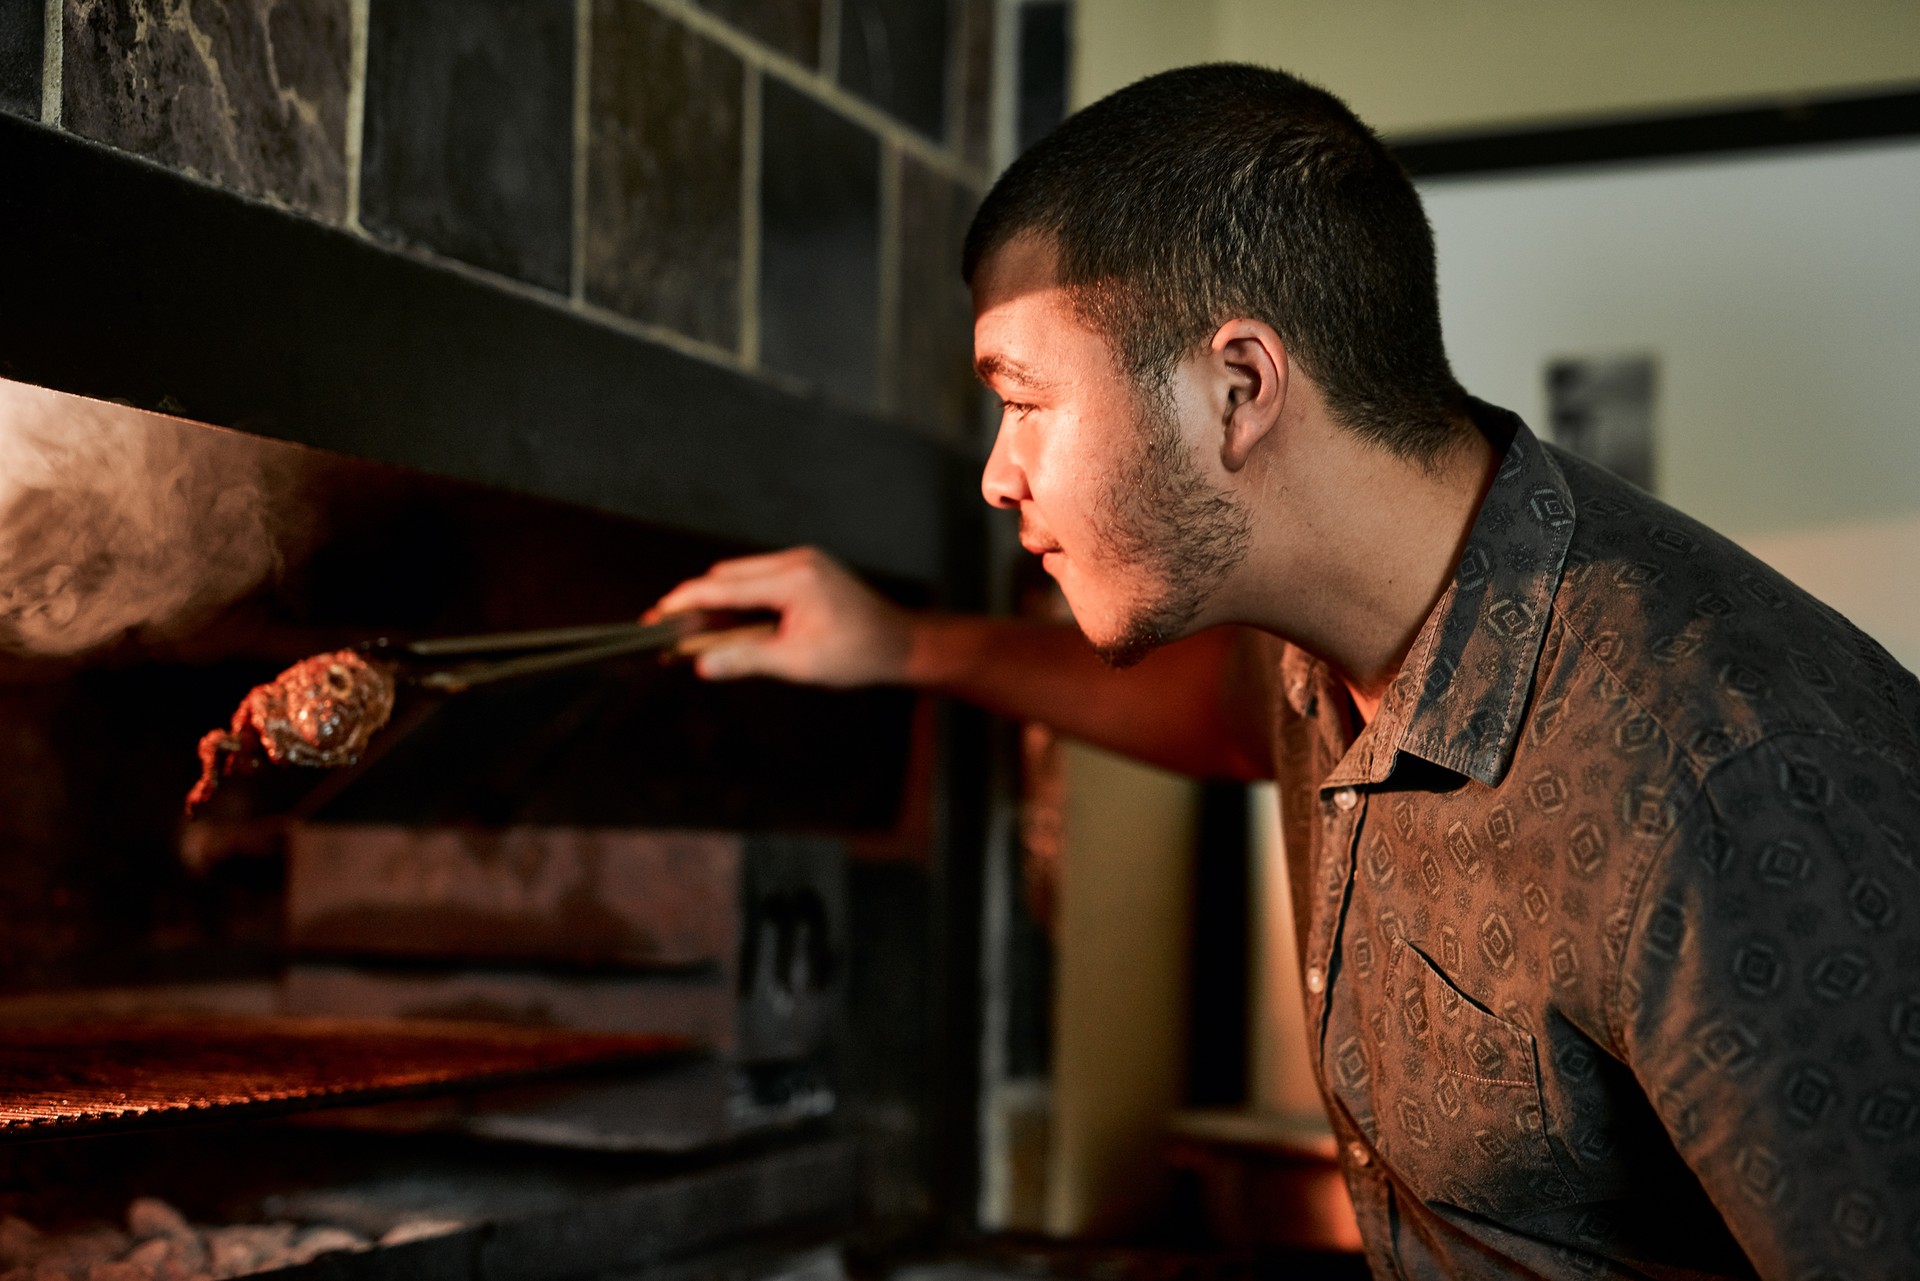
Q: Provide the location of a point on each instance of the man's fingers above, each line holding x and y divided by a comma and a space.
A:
759, 656
774, 585
700, 642
830, 631
761, 592
766, 562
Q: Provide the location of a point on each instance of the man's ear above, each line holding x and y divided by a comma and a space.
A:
1249, 356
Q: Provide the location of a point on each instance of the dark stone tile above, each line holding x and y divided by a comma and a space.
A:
239, 311
976, 79
663, 174
893, 53
1046, 34
251, 94
22, 42
790, 26
932, 382
468, 148
819, 245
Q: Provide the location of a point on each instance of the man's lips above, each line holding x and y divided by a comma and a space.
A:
1032, 539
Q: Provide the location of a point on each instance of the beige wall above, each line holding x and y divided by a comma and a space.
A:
1279, 1060
1119, 988
1419, 66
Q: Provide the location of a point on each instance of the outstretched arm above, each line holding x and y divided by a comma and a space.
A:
1193, 706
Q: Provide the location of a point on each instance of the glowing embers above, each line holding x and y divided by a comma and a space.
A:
159, 1244
102, 1073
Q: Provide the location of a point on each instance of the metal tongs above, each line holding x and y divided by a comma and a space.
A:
545, 649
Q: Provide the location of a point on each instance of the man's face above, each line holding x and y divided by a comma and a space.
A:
1105, 479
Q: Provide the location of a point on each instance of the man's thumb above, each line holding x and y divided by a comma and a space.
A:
755, 657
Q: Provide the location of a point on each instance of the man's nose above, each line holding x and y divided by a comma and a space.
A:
1003, 482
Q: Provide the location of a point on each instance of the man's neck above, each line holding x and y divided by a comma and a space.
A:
1365, 705
1358, 546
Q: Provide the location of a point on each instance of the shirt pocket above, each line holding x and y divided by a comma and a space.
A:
1468, 1126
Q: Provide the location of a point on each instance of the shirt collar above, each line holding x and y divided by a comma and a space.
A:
1463, 688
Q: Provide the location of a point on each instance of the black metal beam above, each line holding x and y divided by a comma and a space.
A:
124, 280
1803, 123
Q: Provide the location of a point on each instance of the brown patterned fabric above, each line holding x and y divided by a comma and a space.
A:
1611, 917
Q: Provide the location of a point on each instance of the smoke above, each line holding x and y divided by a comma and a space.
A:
117, 522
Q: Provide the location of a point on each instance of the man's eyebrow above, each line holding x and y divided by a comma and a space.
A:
995, 366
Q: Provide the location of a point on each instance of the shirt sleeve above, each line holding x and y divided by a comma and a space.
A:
1769, 1004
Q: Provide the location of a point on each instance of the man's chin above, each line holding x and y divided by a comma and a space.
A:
1125, 653
1123, 637
1137, 638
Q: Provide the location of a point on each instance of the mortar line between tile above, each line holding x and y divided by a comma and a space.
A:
806, 79
600, 315
751, 110
358, 18
891, 176
959, 66
830, 40
1003, 110
582, 136
53, 45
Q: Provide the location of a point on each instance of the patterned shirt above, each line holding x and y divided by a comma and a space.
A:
1610, 919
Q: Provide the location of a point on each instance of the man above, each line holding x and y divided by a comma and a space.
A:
1603, 836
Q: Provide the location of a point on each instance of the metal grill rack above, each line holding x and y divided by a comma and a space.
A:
71, 1077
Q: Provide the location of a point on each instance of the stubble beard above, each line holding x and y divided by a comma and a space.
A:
1162, 519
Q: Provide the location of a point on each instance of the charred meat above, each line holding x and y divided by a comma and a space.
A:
320, 712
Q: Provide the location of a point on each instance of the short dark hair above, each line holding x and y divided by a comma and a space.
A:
1210, 192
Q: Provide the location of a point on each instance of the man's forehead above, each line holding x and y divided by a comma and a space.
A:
1027, 263
1028, 334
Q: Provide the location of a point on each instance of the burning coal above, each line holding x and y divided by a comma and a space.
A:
116, 522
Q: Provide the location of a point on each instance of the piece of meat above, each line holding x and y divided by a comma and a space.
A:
320, 712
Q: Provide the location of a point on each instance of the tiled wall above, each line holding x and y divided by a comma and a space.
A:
778, 185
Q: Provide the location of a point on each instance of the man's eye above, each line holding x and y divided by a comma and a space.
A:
1015, 407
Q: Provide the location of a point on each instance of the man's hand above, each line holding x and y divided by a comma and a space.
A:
1195, 706
834, 629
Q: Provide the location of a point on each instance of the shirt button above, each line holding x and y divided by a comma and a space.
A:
1345, 799
1357, 1151
1316, 980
